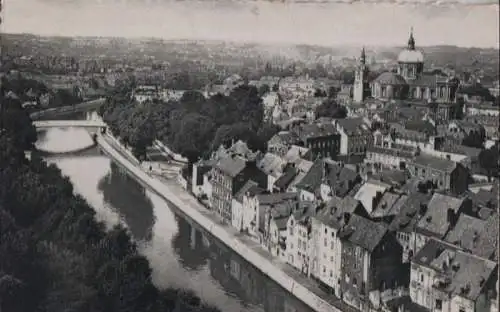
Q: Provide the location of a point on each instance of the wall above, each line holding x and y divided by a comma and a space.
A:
176, 157
252, 256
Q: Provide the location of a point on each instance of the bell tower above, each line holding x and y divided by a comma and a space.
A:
361, 87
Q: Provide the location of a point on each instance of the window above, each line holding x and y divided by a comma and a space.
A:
331, 245
326, 242
439, 304
324, 269
461, 309
331, 259
421, 277
355, 281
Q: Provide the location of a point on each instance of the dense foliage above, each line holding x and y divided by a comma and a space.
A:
488, 160
193, 126
54, 255
330, 108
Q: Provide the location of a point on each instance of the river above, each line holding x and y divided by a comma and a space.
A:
180, 255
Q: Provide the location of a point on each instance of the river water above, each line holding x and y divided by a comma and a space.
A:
180, 255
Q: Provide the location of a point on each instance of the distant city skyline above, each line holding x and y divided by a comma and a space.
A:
328, 24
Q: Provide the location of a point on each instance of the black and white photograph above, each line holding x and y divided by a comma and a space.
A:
249, 155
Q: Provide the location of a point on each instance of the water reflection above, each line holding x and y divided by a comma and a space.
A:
248, 283
188, 245
120, 190
181, 254
61, 140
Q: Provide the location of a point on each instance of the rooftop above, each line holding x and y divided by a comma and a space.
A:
353, 126
250, 187
313, 178
289, 173
231, 165
390, 78
315, 130
441, 164
340, 178
362, 232
463, 274
409, 214
389, 205
435, 222
368, 191
268, 199
466, 232
271, 164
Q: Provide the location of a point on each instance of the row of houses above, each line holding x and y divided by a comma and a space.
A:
361, 235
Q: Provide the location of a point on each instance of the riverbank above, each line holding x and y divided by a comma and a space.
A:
300, 286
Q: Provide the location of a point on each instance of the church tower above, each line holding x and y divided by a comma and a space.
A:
361, 87
410, 61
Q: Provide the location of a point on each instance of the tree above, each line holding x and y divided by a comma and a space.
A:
332, 92
194, 136
329, 108
264, 89
192, 101
52, 249
473, 140
488, 160
319, 93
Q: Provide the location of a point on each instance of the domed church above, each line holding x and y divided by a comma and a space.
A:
408, 82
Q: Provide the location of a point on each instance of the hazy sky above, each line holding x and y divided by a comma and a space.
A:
326, 23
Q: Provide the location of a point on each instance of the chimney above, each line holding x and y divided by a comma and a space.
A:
450, 217
346, 218
475, 237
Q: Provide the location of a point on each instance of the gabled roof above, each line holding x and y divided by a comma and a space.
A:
286, 178
423, 126
268, 199
353, 126
271, 164
285, 137
435, 221
408, 216
466, 232
470, 152
295, 153
340, 178
231, 166
309, 131
363, 232
251, 187
368, 191
436, 163
332, 215
486, 244
313, 178
463, 274
389, 205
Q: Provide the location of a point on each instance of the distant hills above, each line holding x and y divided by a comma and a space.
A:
163, 50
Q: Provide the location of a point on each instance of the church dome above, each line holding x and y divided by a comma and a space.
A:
410, 56
390, 78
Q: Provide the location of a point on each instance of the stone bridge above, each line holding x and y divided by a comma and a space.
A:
45, 124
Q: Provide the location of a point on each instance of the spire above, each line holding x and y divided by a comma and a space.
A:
362, 59
411, 41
